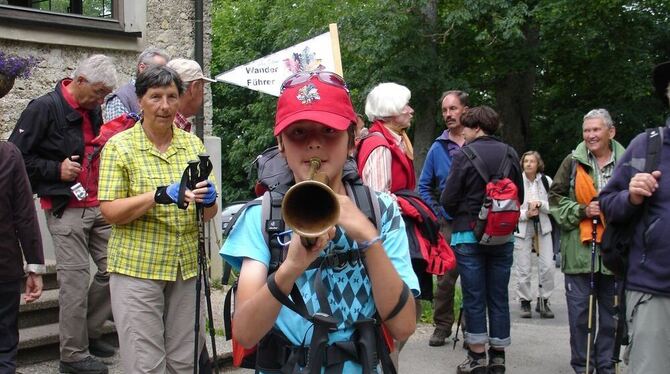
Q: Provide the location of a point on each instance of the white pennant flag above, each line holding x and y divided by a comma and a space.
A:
267, 74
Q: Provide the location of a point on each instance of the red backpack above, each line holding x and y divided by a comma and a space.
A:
423, 233
499, 214
111, 128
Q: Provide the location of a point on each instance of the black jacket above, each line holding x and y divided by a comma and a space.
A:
465, 189
46, 138
19, 230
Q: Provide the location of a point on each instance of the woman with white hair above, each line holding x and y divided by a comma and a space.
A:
385, 156
385, 160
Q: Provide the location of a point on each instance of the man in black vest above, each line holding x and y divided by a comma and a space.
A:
124, 99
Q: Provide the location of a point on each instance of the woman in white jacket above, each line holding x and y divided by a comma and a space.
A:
534, 231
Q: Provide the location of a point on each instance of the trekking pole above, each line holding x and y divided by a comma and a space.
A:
205, 169
592, 288
617, 345
536, 243
199, 171
458, 325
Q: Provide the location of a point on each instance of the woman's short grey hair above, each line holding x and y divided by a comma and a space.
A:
667, 92
157, 76
386, 100
97, 69
600, 113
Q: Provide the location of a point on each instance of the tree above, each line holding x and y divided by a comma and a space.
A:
542, 64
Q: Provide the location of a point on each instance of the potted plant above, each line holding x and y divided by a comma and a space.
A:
11, 67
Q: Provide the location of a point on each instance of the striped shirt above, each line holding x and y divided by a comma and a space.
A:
377, 170
165, 239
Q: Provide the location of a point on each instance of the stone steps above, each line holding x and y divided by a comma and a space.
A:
44, 311
38, 323
40, 343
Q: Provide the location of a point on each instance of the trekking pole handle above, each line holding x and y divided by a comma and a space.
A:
192, 173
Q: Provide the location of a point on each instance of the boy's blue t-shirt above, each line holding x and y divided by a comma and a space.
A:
348, 289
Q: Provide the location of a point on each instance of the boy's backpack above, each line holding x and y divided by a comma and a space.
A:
426, 243
499, 214
274, 178
617, 237
273, 173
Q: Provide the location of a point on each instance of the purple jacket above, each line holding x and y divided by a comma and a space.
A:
649, 263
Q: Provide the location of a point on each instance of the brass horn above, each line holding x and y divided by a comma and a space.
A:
310, 207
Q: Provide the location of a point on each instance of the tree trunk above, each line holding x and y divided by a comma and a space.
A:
514, 98
426, 101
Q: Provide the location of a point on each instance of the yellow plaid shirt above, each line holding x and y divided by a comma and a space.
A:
165, 239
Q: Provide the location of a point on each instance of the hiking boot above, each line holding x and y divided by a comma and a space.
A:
439, 337
100, 348
547, 313
496, 362
475, 363
525, 309
89, 365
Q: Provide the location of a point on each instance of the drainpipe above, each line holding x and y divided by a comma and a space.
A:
199, 53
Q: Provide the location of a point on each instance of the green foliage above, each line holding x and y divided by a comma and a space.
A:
541, 63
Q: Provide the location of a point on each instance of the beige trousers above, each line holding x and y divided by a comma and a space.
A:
84, 304
155, 322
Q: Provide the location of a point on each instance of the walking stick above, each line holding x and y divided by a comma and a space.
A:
199, 171
594, 236
536, 243
617, 343
458, 325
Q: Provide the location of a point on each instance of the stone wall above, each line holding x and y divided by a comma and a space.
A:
169, 25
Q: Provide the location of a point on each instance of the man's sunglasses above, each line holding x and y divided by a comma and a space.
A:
324, 76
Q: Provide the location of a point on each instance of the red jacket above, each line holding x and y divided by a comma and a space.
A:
402, 167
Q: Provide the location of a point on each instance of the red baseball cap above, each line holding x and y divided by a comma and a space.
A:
320, 96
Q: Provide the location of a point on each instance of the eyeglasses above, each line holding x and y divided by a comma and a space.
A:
324, 76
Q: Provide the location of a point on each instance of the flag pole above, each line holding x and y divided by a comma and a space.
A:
335, 43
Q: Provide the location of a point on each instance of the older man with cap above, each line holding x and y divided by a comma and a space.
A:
194, 80
635, 195
124, 99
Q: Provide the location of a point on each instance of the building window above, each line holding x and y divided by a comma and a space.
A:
108, 17
89, 8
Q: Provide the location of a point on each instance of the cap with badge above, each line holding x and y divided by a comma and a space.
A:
320, 96
188, 70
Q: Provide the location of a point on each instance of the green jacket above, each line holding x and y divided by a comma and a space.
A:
575, 255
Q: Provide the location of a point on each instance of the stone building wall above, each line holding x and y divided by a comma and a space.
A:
169, 25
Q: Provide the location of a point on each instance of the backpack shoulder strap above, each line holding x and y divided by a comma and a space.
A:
366, 200
573, 173
545, 182
477, 162
367, 144
505, 165
58, 105
654, 146
273, 223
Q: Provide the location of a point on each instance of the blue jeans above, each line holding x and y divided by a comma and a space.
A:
485, 272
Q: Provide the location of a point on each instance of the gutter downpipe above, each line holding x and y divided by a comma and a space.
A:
199, 57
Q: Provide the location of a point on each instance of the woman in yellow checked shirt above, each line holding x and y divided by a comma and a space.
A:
153, 245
